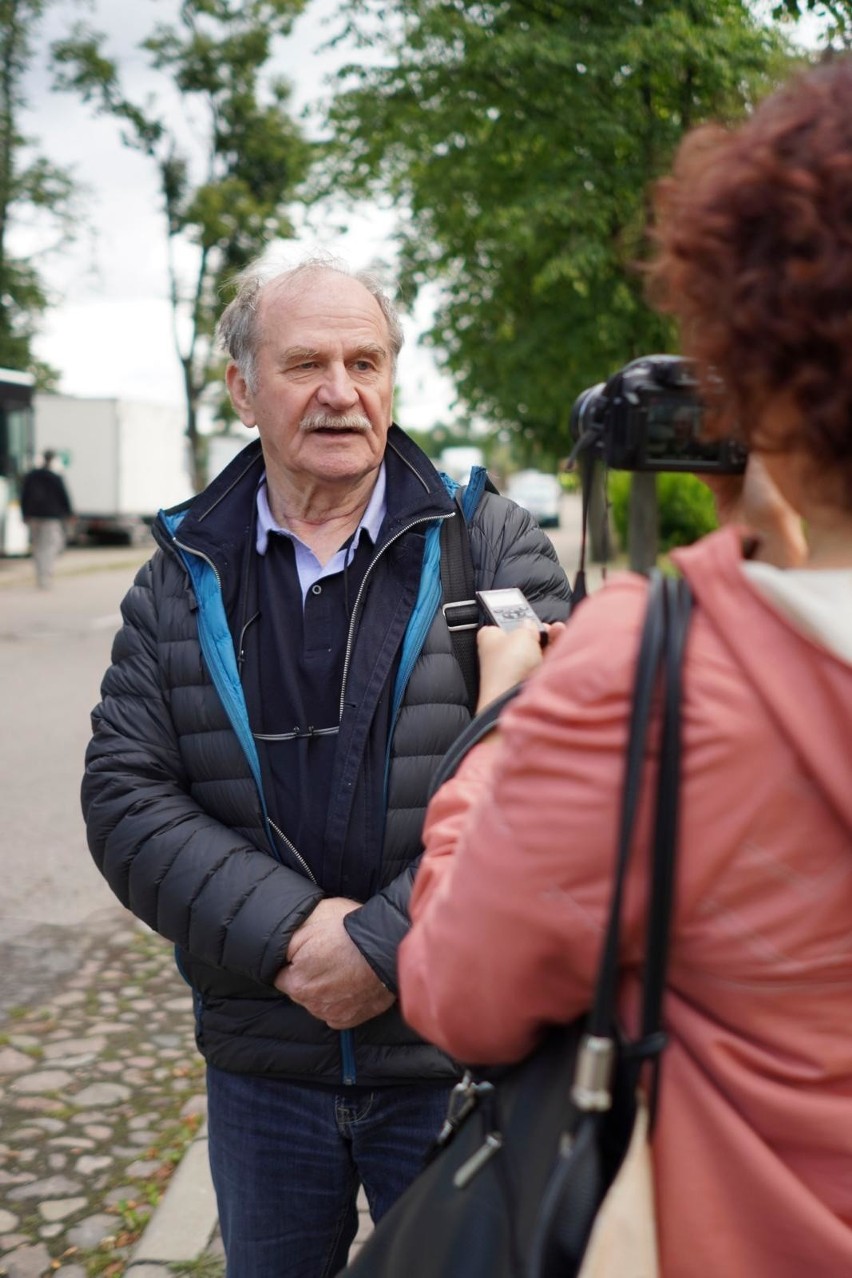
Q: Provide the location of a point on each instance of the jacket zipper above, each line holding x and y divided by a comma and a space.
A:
296, 853
200, 555
347, 660
267, 820
347, 1045
241, 654
426, 519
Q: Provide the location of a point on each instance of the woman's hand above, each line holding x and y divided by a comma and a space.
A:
754, 499
506, 657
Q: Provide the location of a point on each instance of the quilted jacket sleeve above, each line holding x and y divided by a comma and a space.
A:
193, 871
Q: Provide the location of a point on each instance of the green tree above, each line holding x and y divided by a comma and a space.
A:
34, 193
228, 155
519, 137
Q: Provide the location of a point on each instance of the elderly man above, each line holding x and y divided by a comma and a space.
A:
282, 687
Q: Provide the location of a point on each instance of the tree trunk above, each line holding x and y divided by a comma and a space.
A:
191, 397
11, 54
642, 522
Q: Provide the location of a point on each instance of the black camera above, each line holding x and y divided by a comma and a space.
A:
648, 416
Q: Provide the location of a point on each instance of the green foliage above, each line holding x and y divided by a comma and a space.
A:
34, 194
229, 158
686, 508
133, 1215
835, 15
206, 1266
520, 139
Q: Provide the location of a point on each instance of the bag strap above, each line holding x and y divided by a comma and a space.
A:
460, 606
660, 660
478, 728
679, 604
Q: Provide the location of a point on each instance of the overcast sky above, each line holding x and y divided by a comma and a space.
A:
111, 334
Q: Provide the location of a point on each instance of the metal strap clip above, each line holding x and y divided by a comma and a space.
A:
593, 1073
465, 604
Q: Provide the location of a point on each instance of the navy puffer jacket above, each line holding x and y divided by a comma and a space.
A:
173, 797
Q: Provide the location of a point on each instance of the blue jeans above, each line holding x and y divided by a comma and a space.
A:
287, 1162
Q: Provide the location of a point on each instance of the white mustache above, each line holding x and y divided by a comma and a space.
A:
335, 421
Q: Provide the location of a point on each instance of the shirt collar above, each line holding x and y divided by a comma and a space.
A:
371, 521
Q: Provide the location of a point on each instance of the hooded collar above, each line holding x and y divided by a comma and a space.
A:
805, 686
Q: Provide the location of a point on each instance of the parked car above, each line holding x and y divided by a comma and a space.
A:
537, 492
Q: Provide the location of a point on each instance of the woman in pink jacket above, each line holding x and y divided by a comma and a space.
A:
752, 1149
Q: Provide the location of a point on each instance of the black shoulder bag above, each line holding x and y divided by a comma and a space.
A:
527, 1164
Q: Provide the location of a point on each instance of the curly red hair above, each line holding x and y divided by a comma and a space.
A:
754, 237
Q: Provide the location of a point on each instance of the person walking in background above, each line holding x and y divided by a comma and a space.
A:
46, 509
282, 688
751, 1148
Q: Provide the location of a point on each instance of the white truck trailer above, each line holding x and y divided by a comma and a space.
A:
123, 461
222, 448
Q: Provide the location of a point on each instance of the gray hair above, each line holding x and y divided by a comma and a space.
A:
237, 333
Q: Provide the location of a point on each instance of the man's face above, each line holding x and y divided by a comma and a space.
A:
324, 381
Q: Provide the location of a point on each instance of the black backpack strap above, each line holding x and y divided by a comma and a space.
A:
460, 606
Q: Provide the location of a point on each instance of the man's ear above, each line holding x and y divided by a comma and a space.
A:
240, 396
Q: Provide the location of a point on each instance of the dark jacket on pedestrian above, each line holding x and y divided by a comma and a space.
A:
173, 794
44, 495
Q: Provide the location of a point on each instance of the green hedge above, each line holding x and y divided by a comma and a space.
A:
686, 508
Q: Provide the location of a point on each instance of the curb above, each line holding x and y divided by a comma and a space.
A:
184, 1221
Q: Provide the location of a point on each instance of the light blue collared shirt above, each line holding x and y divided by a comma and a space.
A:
308, 566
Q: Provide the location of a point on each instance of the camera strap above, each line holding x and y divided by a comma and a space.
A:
578, 591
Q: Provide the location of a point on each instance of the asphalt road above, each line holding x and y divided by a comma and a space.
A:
54, 648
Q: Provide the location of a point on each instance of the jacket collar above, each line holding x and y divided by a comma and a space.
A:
218, 520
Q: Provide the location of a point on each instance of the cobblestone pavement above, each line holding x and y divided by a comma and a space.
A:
101, 1091
101, 1095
